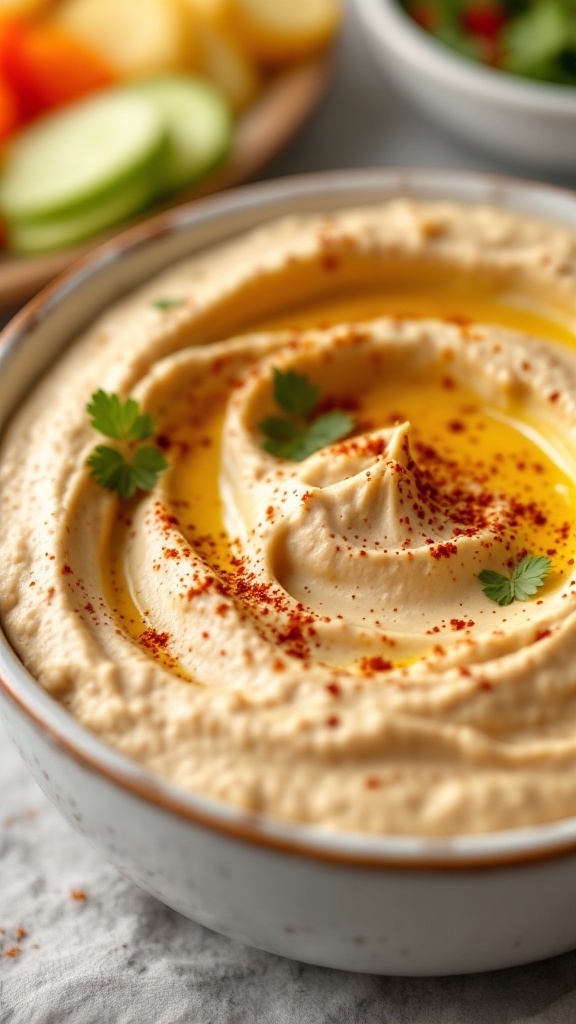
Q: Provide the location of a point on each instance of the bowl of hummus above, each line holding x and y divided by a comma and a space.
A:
288, 564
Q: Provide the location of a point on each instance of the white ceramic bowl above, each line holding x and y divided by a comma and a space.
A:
530, 123
396, 905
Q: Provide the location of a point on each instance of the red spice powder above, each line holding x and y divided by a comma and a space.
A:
203, 585
458, 319
154, 641
445, 550
377, 664
372, 782
330, 262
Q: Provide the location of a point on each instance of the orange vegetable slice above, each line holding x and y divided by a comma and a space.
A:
48, 67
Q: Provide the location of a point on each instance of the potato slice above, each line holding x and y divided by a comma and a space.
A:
225, 60
137, 37
229, 67
277, 32
217, 12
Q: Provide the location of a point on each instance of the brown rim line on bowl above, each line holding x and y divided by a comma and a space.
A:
40, 725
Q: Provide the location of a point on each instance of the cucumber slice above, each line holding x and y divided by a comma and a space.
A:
28, 238
198, 122
79, 155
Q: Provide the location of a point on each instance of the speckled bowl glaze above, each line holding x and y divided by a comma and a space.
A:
384, 904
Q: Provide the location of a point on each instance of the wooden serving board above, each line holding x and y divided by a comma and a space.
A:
259, 134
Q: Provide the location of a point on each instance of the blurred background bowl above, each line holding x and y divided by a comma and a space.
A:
528, 122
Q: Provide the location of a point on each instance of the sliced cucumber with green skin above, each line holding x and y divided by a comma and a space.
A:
199, 125
28, 238
80, 171
70, 160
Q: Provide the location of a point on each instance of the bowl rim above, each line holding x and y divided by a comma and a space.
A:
396, 31
474, 851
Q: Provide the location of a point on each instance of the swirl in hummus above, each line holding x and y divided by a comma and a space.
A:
310, 639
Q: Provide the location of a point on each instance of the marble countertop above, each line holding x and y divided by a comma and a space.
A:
79, 944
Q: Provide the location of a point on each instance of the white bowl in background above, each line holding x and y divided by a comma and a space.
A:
528, 122
378, 903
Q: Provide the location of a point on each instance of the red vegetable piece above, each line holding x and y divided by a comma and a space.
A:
484, 20
10, 118
47, 67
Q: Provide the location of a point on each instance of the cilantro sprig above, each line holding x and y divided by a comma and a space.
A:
521, 585
300, 433
128, 466
167, 303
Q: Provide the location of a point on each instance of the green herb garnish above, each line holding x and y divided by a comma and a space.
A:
129, 466
525, 580
300, 433
167, 303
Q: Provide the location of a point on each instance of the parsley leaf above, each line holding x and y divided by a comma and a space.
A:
110, 469
120, 420
295, 393
300, 434
279, 428
128, 467
167, 303
525, 580
147, 464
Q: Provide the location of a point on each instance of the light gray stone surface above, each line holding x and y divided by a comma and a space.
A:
118, 956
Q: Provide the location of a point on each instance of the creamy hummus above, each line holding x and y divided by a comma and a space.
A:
310, 639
